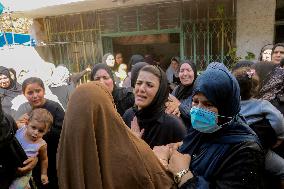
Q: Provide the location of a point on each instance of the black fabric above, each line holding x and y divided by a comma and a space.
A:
184, 91
265, 133
123, 97
166, 129
52, 140
231, 157
12, 153
135, 59
157, 106
135, 71
8, 94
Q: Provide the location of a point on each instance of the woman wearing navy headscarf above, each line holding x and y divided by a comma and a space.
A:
220, 150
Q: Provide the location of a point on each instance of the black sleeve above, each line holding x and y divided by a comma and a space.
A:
243, 169
128, 117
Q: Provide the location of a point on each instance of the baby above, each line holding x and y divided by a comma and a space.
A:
30, 138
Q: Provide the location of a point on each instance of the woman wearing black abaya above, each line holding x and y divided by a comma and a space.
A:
151, 92
9, 89
179, 103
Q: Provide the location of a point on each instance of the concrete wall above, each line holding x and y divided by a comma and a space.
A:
255, 25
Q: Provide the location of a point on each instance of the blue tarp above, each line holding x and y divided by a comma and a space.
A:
23, 39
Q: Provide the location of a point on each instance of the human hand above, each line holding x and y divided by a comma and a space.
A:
29, 164
136, 129
23, 120
172, 105
162, 153
44, 179
175, 146
178, 162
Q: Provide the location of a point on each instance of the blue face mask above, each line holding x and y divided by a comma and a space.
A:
204, 120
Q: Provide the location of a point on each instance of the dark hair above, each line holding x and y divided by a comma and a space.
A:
153, 70
262, 70
43, 116
282, 62
32, 80
243, 63
248, 82
277, 45
135, 71
264, 48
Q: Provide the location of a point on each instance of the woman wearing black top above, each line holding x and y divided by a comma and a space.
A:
34, 90
151, 91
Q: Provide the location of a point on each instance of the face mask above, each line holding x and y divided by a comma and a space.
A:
204, 120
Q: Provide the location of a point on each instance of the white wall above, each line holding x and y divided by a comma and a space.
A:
255, 25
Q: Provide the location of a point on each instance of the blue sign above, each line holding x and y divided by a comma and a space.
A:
1, 8
23, 39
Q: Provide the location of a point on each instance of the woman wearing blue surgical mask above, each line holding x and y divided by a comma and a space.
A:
220, 151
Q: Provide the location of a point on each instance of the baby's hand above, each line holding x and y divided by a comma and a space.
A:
44, 179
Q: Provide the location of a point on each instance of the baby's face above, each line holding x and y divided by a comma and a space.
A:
36, 130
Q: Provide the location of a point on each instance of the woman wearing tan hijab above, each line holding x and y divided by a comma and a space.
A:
97, 150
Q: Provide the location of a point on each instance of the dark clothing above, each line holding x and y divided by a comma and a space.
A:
52, 139
232, 156
8, 94
8, 174
123, 99
164, 130
63, 93
229, 158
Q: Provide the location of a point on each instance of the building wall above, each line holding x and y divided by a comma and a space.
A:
255, 25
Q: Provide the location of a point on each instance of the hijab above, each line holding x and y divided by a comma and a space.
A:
97, 150
184, 91
135, 71
105, 67
157, 107
135, 59
222, 90
14, 89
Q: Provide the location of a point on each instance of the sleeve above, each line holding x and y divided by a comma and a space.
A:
275, 118
128, 117
77, 76
243, 169
178, 126
185, 107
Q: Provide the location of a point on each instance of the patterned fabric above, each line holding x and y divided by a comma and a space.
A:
274, 85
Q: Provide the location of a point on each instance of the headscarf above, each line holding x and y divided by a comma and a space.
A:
184, 91
60, 76
135, 70
97, 150
135, 59
157, 107
14, 89
221, 88
105, 67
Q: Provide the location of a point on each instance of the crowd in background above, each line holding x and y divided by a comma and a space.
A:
138, 125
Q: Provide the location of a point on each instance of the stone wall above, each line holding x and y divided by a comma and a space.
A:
255, 25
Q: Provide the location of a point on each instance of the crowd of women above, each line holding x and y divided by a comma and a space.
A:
155, 128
